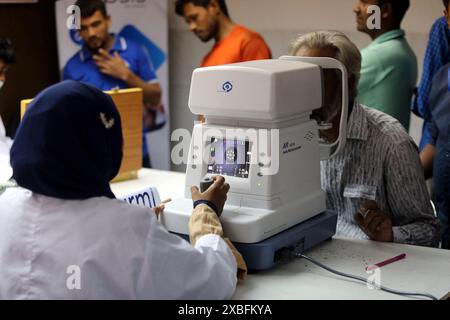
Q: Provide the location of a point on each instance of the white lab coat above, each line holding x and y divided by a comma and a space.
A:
5, 142
113, 250
5, 146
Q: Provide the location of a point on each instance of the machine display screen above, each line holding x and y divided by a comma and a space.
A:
229, 158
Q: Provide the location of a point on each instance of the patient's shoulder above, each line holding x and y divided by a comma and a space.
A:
386, 128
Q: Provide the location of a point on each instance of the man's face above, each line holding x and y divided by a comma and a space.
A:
331, 109
3, 70
202, 21
362, 14
94, 30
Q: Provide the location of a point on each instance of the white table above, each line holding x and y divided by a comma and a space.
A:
423, 270
169, 184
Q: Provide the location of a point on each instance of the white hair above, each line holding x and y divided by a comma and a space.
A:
346, 51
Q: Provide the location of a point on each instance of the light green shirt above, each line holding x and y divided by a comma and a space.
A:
389, 76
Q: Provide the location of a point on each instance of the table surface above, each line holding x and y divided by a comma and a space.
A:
424, 270
169, 184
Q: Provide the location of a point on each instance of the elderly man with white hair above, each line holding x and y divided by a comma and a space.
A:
376, 184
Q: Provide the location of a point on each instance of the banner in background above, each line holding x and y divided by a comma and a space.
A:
144, 22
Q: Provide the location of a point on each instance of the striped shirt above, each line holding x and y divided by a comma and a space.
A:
380, 162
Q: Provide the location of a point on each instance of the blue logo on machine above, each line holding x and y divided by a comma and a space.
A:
289, 147
227, 87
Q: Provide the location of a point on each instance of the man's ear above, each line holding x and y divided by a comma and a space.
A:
447, 16
214, 8
108, 21
386, 10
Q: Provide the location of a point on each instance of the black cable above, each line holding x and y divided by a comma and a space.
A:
406, 294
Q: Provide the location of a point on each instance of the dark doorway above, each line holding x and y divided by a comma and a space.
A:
32, 29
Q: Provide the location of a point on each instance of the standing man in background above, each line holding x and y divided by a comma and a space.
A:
437, 55
108, 62
209, 19
438, 148
434, 88
389, 65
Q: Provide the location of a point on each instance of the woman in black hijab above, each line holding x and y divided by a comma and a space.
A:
64, 236
69, 144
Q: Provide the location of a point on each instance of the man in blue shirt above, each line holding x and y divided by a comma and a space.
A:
432, 103
436, 56
108, 61
439, 147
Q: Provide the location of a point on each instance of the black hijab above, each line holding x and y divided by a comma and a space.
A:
69, 144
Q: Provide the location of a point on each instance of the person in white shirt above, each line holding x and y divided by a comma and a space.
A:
6, 58
63, 235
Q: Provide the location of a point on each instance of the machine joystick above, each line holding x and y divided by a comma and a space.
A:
205, 184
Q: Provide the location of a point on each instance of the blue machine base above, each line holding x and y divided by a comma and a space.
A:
300, 238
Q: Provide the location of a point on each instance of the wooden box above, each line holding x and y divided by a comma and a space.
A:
129, 103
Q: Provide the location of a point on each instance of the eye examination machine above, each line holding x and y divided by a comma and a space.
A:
259, 135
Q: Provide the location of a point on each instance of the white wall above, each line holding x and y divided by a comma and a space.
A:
279, 22
313, 14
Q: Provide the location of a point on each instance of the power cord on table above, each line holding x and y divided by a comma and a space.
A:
396, 292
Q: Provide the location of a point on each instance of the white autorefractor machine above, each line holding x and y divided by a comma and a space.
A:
259, 135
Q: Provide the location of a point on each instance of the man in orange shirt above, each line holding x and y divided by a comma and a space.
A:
209, 19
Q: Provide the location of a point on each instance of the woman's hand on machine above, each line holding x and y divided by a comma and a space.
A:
216, 194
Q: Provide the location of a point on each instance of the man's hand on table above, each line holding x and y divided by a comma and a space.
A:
376, 224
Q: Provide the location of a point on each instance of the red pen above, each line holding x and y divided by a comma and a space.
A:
386, 262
